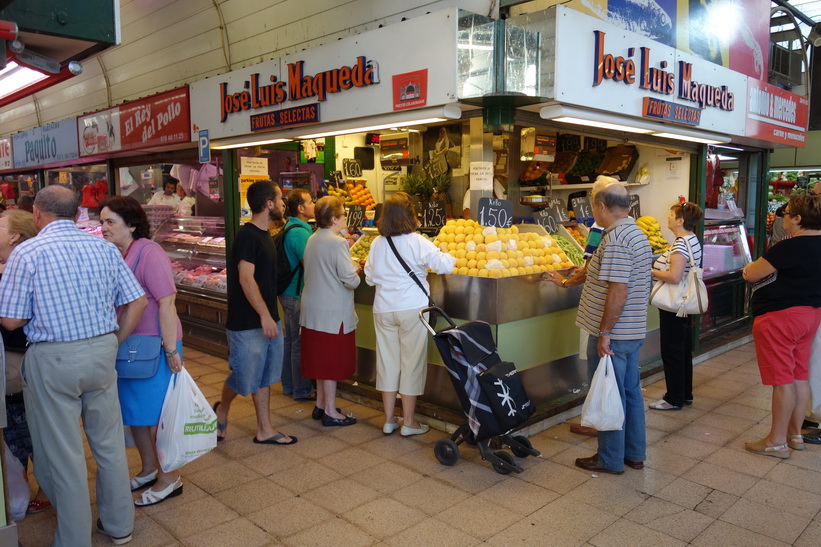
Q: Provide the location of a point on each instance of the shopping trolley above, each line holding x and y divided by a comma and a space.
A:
468, 351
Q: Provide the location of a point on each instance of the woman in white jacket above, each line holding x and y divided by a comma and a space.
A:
401, 338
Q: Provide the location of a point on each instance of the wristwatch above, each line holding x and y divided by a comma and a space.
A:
171, 353
602, 333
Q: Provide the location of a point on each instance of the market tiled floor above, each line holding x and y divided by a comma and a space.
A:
354, 486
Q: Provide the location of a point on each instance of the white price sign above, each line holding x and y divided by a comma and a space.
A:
481, 175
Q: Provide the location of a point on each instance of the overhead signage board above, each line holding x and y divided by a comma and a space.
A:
47, 144
6, 160
158, 120
350, 78
776, 115
623, 68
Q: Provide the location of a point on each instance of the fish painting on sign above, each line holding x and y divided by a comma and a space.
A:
652, 18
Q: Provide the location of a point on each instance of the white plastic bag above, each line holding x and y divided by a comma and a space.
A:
19, 493
603, 409
188, 426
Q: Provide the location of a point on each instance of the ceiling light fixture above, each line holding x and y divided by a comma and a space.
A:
243, 143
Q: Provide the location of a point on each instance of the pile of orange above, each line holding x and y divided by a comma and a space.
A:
362, 196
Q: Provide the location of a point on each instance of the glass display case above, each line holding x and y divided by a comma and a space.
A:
725, 248
196, 247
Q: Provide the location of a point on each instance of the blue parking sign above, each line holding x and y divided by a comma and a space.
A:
204, 146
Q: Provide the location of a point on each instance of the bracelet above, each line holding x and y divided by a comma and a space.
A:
171, 353
564, 282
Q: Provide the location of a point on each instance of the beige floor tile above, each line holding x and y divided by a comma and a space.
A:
686, 446
669, 518
608, 493
742, 411
766, 520
556, 477
735, 457
268, 462
236, 533
254, 495
810, 458
796, 477
729, 535
477, 517
357, 434
387, 477
423, 460
470, 477
654, 435
222, 477
647, 480
342, 532
705, 402
570, 522
811, 536
304, 476
350, 460
625, 532
733, 424
430, 495
183, 520
711, 435
684, 493
146, 532
759, 399
793, 501
317, 447
716, 503
664, 421
290, 516
668, 462
342, 495
383, 518
520, 497
393, 446
720, 478
211, 360
432, 532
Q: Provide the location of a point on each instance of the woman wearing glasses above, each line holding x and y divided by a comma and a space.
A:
786, 304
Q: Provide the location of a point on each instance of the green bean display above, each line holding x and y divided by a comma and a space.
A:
573, 253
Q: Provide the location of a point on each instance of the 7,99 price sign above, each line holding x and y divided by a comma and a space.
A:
495, 212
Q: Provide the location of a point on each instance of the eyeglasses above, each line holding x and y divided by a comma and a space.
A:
787, 213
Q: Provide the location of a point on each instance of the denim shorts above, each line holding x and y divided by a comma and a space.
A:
255, 361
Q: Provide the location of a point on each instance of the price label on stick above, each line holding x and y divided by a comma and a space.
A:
582, 207
546, 218
356, 213
433, 214
635, 206
495, 212
559, 209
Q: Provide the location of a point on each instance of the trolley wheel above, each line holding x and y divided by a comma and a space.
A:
507, 458
524, 441
446, 451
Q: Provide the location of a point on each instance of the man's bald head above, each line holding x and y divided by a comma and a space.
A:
57, 201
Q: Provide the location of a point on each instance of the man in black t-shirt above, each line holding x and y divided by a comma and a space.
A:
254, 339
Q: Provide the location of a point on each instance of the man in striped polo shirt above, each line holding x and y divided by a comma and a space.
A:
613, 310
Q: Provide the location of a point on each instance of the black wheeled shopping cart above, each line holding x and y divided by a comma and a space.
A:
488, 389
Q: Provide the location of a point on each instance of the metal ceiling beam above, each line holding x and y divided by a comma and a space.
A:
795, 11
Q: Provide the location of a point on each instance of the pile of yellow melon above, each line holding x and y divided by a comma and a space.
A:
485, 251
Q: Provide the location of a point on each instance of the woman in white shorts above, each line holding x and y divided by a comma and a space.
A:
401, 338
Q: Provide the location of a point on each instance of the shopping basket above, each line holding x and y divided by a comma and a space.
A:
467, 351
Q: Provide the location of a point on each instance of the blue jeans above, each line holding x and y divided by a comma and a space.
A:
292, 380
630, 442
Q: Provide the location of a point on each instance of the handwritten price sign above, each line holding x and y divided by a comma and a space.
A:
495, 212
356, 214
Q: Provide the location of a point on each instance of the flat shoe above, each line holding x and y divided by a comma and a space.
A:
813, 438
115, 540
143, 482
408, 431
318, 413
688, 402
390, 427
796, 442
273, 440
150, 497
221, 427
592, 464
37, 506
327, 421
761, 448
809, 424
661, 404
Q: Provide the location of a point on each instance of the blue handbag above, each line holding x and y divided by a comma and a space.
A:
139, 356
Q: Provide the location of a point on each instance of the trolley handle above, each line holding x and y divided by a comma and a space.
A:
438, 310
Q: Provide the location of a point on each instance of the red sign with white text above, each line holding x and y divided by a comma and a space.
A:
410, 90
153, 121
776, 115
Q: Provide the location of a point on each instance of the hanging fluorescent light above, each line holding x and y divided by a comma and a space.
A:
391, 125
404, 118
591, 118
242, 143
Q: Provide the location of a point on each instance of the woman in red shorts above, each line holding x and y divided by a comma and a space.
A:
786, 304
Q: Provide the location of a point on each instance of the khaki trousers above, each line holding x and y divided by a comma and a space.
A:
64, 382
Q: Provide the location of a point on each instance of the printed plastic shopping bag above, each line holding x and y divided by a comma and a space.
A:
188, 426
603, 409
18, 485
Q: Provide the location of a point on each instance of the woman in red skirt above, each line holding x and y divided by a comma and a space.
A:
327, 315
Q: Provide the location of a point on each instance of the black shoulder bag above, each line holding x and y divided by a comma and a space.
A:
413, 276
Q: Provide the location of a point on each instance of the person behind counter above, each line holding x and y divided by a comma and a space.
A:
124, 223
168, 196
676, 332
786, 304
186, 207
401, 339
327, 313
